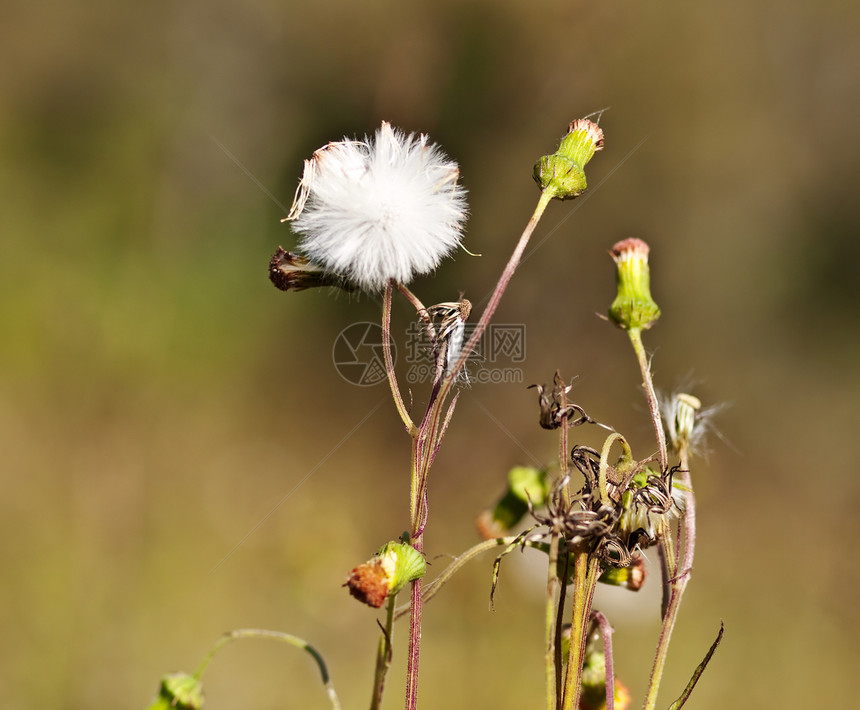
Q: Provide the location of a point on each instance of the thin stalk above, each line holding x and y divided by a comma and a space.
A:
389, 361
677, 586
559, 627
663, 646
426, 442
606, 630
563, 454
383, 656
431, 589
414, 641
650, 395
294, 641
585, 568
551, 591
497, 294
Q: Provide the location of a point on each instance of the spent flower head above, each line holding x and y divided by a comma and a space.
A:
383, 208
687, 423
383, 576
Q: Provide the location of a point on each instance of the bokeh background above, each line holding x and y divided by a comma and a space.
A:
179, 455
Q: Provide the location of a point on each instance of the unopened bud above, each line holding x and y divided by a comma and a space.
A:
631, 577
179, 691
526, 484
386, 574
633, 307
562, 174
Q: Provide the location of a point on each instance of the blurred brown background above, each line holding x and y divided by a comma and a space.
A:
159, 399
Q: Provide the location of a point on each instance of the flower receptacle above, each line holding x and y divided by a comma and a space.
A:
562, 174
633, 307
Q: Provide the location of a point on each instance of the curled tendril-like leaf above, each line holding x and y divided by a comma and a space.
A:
587, 462
519, 542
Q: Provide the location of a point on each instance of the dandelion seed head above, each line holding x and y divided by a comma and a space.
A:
388, 207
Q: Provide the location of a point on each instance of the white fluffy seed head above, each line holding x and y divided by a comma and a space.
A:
388, 207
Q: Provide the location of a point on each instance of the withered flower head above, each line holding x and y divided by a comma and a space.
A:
687, 422
386, 573
293, 272
554, 407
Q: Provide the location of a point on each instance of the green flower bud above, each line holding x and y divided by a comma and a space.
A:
179, 691
562, 174
395, 565
525, 483
633, 307
631, 577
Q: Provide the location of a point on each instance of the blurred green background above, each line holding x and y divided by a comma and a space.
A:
179, 455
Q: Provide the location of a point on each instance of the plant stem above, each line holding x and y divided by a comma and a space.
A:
559, 628
497, 294
551, 590
431, 589
383, 656
417, 541
277, 636
585, 568
414, 641
650, 395
677, 585
426, 442
389, 361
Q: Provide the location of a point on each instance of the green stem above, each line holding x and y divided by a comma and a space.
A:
585, 569
277, 636
551, 590
426, 442
389, 360
650, 395
497, 294
431, 589
677, 586
383, 656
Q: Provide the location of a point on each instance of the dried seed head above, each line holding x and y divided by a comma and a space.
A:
384, 208
687, 422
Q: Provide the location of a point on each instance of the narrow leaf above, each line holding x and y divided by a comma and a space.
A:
679, 703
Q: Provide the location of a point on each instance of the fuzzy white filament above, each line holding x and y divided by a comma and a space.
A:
388, 207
